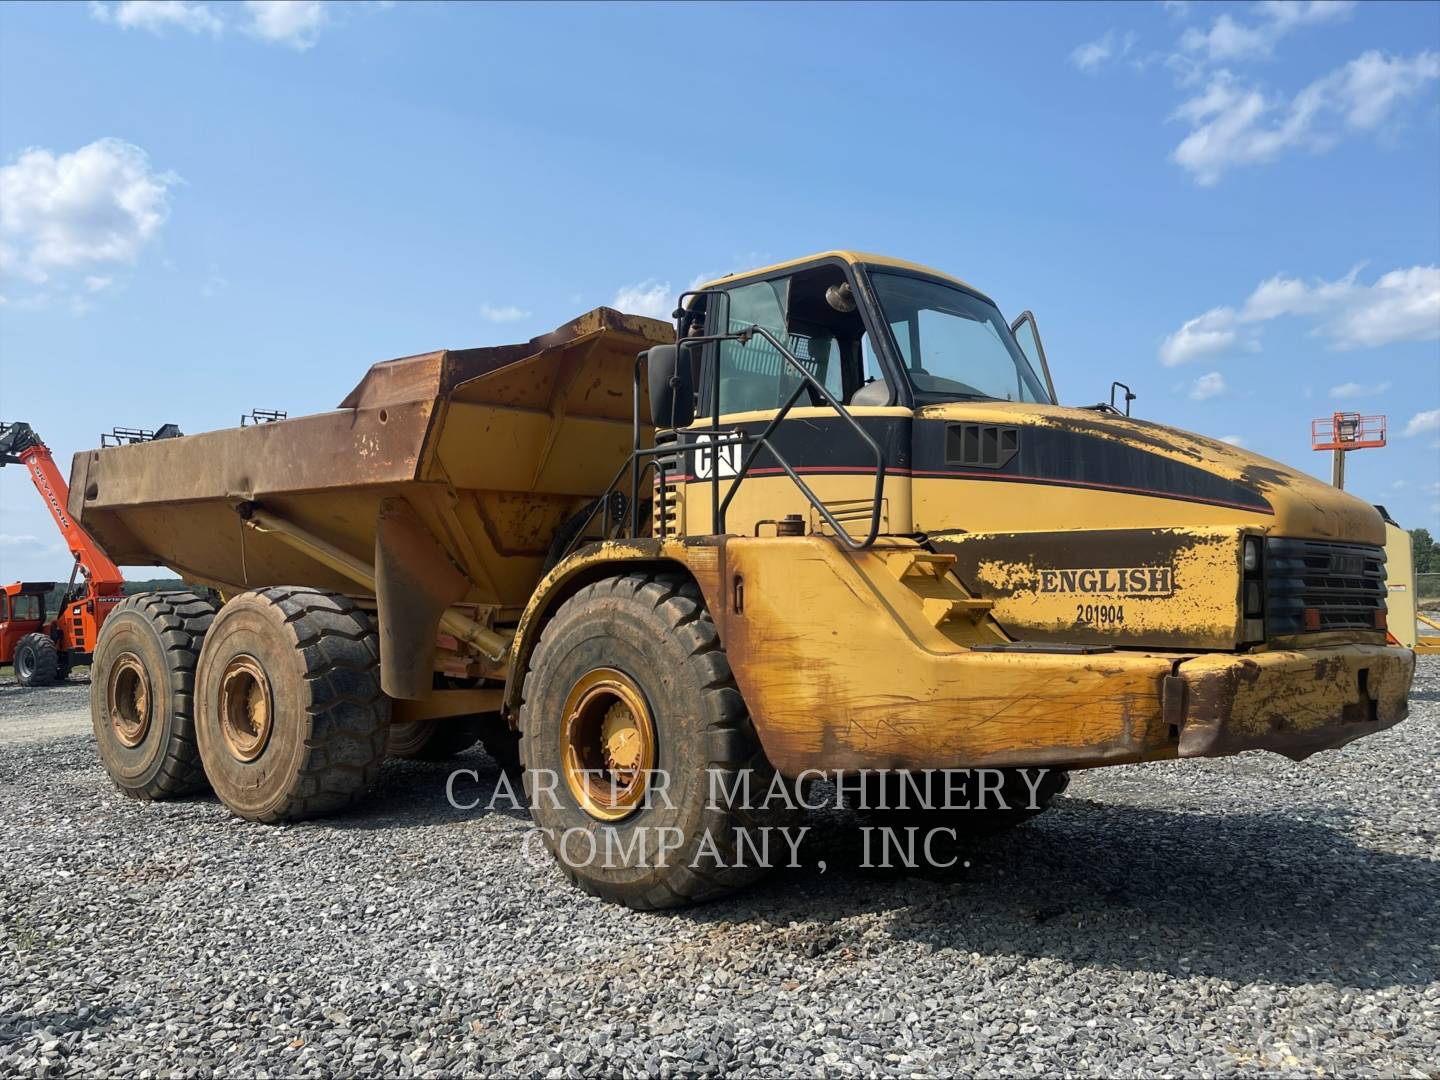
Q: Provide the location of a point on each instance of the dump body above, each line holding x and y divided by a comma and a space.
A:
493, 449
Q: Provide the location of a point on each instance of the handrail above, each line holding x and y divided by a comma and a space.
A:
762, 442
721, 438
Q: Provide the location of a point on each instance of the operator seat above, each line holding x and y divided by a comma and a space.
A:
874, 392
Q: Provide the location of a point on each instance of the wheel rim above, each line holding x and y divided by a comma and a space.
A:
127, 698
25, 662
246, 708
607, 744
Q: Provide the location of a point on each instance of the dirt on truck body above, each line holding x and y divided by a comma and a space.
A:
832, 521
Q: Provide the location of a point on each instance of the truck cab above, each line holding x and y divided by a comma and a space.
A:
1080, 525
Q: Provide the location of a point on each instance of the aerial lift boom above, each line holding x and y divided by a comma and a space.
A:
44, 651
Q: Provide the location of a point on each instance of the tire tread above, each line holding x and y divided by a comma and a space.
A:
181, 620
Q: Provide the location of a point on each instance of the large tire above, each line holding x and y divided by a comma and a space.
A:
646, 641
142, 693
289, 713
37, 661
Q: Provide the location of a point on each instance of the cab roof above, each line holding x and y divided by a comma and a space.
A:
854, 258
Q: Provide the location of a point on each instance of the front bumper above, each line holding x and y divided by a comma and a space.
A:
843, 666
1294, 702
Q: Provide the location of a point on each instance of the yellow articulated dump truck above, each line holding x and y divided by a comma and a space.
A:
831, 522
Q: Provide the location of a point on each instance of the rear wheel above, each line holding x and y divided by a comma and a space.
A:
629, 689
442, 739
434, 740
142, 683
37, 661
290, 718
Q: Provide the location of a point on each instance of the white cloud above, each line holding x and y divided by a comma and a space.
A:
1205, 335
649, 297
502, 314
1095, 54
97, 205
1235, 440
1227, 40
1368, 87
1346, 391
157, 16
1236, 124
1230, 39
20, 540
98, 283
1403, 305
295, 23
1208, 386
1423, 422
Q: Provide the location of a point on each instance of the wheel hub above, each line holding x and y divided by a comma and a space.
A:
127, 700
607, 744
246, 709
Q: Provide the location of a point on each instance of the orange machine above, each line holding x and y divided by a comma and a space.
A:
42, 651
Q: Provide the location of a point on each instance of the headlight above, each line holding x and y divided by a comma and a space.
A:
1252, 554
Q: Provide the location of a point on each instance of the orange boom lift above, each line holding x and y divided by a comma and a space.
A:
42, 651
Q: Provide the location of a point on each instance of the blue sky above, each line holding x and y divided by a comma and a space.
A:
210, 207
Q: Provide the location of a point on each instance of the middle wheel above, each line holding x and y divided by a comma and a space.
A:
290, 718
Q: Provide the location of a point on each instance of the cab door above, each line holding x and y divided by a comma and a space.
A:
744, 385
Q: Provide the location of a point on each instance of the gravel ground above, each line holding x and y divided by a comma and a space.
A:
1241, 916
31, 715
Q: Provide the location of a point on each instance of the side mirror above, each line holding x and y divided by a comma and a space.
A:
672, 393
1027, 336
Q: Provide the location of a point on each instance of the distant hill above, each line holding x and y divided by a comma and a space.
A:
168, 584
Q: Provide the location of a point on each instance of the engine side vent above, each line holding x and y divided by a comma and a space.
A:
981, 446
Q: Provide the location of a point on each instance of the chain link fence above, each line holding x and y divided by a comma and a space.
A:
1427, 588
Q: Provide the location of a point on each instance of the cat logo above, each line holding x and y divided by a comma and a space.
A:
706, 457
1110, 581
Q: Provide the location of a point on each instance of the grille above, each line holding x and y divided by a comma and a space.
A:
1343, 584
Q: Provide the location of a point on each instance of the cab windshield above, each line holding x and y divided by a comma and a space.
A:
954, 345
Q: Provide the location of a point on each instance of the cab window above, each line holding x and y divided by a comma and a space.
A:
953, 344
25, 608
801, 310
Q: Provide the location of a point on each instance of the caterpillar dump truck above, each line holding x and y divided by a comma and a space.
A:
832, 521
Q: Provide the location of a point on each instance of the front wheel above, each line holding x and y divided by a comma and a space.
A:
642, 767
37, 661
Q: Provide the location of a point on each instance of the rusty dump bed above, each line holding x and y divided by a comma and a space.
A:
493, 448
